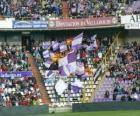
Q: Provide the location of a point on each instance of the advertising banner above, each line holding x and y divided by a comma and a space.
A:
132, 26
130, 19
16, 74
30, 24
6, 23
84, 22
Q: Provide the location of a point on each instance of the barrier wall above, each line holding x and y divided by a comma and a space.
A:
106, 106
24, 111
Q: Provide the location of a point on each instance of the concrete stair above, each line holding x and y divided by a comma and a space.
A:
37, 76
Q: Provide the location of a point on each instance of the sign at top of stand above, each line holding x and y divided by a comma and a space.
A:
131, 21
127, 19
81, 23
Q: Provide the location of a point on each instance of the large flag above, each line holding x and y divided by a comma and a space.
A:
46, 54
77, 41
66, 70
60, 86
67, 65
71, 57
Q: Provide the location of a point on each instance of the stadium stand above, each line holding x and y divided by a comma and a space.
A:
13, 58
16, 90
19, 91
61, 71
88, 58
122, 81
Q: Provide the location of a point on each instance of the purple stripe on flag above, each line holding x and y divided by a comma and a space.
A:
61, 71
76, 47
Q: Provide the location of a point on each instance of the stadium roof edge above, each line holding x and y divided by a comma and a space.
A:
81, 28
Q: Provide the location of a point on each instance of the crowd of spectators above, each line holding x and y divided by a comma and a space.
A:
19, 91
126, 73
16, 90
38, 9
13, 58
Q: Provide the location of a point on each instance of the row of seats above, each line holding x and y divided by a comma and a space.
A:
122, 83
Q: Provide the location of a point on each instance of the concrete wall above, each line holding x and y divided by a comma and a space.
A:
105, 106
24, 111
132, 35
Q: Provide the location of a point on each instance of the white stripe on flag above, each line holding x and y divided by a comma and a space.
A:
66, 70
77, 40
72, 67
63, 61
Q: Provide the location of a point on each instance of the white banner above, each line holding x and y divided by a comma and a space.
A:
6, 24
127, 19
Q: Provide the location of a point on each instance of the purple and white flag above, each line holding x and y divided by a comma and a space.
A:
77, 41
46, 45
50, 74
77, 86
76, 89
48, 63
72, 67
55, 46
63, 47
46, 54
64, 70
78, 83
71, 57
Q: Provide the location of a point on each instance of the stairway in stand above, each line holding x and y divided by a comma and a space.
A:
37, 76
65, 8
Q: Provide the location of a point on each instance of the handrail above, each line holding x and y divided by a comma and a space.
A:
110, 53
